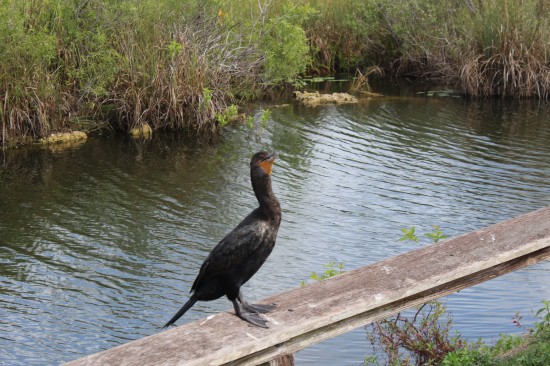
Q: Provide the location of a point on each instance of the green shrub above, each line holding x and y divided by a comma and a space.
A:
531, 349
136, 62
285, 45
467, 357
146, 62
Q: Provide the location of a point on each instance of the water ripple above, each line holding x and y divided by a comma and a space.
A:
100, 245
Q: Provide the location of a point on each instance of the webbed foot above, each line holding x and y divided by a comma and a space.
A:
258, 308
255, 308
252, 317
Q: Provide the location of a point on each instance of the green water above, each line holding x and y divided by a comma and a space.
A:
100, 243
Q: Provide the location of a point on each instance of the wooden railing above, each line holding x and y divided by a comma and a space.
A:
331, 307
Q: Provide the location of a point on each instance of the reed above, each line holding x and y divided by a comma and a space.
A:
487, 48
183, 63
338, 34
168, 63
188, 76
508, 49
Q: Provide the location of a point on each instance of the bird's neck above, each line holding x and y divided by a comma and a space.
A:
266, 198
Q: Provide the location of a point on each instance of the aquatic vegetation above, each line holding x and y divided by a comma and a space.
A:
361, 83
182, 64
489, 48
315, 98
166, 64
64, 137
230, 114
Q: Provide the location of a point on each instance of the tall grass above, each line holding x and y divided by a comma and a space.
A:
508, 50
483, 48
186, 75
27, 81
184, 63
167, 63
338, 34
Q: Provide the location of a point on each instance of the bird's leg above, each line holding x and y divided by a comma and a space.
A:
252, 318
254, 308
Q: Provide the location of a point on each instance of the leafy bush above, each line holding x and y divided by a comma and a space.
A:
467, 356
531, 349
286, 51
146, 62
150, 61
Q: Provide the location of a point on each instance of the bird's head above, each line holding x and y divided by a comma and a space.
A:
263, 160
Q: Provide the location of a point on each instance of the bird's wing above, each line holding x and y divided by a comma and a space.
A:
232, 250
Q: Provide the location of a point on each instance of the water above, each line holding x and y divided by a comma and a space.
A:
100, 243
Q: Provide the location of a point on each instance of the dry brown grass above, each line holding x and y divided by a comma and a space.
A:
188, 86
361, 83
513, 72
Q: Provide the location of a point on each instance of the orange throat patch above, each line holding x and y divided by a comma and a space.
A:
267, 166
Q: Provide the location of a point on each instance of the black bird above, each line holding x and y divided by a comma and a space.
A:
238, 256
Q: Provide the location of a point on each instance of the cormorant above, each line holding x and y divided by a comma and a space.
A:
239, 255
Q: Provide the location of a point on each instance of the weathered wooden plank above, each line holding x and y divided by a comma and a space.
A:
322, 310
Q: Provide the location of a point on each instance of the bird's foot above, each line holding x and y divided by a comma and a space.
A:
253, 318
257, 308
250, 312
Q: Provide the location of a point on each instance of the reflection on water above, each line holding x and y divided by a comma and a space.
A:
100, 243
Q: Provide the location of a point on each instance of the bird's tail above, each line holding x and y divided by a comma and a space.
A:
192, 300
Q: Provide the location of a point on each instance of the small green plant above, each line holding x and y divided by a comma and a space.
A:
408, 234
258, 127
174, 48
543, 326
266, 114
230, 114
371, 360
250, 122
206, 99
436, 235
331, 269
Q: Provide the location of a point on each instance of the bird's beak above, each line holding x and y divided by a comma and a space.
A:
267, 164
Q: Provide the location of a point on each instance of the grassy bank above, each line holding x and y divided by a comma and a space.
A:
186, 63
530, 349
481, 48
167, 63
